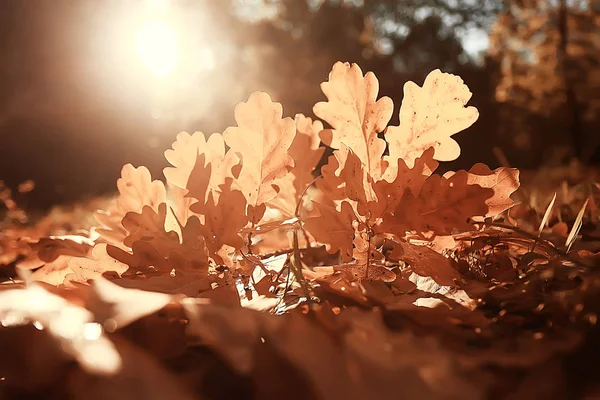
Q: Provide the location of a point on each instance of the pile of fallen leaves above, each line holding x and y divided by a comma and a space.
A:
286, 259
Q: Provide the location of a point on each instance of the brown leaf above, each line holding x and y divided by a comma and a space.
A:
306, 152
367, 264
164, 251
449, 202
262, 139
333, 228
148, 224
185, 152
355, 114
429, 116
84, 269
137, 189
503, 181
223, 220
426, 262
211, 168
406, 180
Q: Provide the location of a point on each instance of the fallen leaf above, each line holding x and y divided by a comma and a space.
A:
429, 116
355, 114
333, 228
261, 139
426, 262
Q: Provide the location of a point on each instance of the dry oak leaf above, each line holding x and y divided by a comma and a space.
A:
178, 208
182, 156
406, 180
357, 182
187, 168
153, 247
355, 114
426, 262
84, 269
333, 228
344, 179
449, 202
136, 190
367, 264
429, 116
330, 182
503, 181
306, 151
223, 220
48, 249
148, 225
261, 139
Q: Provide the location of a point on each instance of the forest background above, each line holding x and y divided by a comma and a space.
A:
76, 103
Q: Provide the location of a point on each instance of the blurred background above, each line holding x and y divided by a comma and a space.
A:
87, 85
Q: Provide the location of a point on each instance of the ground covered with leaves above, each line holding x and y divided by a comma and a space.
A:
311, 259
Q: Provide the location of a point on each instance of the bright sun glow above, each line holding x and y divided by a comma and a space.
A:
157, 47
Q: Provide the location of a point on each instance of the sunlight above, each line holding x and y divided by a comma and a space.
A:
157, 45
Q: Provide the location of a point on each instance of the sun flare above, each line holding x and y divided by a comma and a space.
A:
157, 45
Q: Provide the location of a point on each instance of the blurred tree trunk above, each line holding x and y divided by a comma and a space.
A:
572, 106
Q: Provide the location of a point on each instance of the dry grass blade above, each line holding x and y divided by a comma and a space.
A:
576, 226
545, 220
547, 215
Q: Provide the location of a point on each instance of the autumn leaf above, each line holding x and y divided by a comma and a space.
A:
448, 203
136, 190
406, 181
85, 269
306, 152
355, 114
426, 262
429, 116
147, 225
223, 220
367, 264
152, 246
178, 208
330, 182
261, 139
503, 181
184, 154
334, 229
357, 181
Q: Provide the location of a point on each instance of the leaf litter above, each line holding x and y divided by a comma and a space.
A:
259, 269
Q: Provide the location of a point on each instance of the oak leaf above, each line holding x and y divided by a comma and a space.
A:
429, 116
333, 228
84, 269
136, 190
155, 248
426, 262
355, 114
503, 181
306, 152
406, 181
184, 154
261, 139
367, 264
223, 220
449, 202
